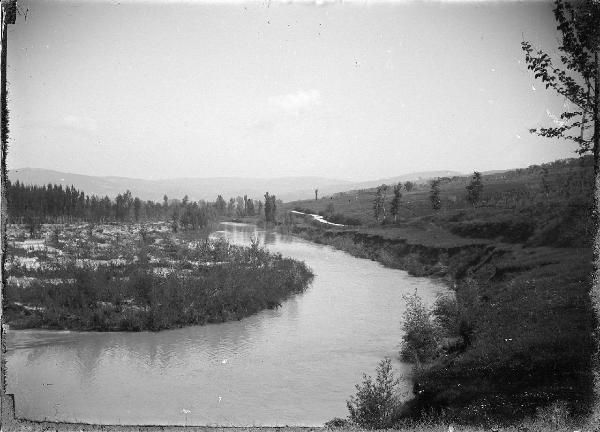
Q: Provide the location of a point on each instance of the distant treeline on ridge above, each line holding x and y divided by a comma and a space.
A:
55, 204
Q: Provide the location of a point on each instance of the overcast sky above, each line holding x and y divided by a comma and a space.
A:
346, 90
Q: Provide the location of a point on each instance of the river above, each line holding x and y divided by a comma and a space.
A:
296, 365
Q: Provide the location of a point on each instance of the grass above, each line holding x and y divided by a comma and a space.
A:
527, 245
165, 282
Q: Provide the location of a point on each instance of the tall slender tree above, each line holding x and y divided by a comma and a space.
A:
434, 194
379, 202
268, 208
474, 189
395, 206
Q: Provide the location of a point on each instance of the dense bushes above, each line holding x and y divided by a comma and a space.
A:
236, 282
376, 404
421, 334
458, 314
448, 327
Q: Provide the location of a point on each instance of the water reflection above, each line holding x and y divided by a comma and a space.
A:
294, 365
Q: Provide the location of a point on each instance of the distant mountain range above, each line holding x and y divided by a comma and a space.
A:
285, 188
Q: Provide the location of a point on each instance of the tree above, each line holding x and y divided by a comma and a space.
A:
250, 207
260, 208
137, 205
408, 186
578, 79
395, 207
240, 206
273, 208
379, 203
474, 189
220, 205
434, 194
421, 335
376, 404
270, 207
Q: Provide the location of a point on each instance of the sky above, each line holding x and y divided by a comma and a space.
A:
346, 90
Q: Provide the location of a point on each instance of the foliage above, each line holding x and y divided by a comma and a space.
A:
379, 202
376, 404
236, 282
434, 194
270, 208
421, 335
458, 314
474, 189
578, 79
509, 369
329, 210
220, 205
33, 224
395, 206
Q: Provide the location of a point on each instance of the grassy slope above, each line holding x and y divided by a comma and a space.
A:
533, 339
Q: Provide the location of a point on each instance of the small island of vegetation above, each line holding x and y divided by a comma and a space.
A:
132, 277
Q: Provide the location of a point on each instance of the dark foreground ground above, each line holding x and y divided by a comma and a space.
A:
547, 422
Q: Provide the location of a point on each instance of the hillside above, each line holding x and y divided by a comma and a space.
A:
285, 188
521, 265
533, 203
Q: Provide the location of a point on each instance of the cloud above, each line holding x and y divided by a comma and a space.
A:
81, 123
294, 103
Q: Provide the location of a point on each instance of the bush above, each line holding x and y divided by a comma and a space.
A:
376, 405
421, 334
337, 422
458, 315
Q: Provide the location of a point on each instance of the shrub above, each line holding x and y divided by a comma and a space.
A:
376, 404
337, 422
458, 315
421, 334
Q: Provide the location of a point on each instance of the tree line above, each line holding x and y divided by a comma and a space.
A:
380, 210
57, 204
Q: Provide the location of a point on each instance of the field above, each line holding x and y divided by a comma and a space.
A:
138, 277
524, 337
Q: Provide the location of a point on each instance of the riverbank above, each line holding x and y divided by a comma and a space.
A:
137, 277
545, 422
532, 342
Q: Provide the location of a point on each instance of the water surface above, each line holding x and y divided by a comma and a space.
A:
296, 365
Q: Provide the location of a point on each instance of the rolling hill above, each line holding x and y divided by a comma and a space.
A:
285, 188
